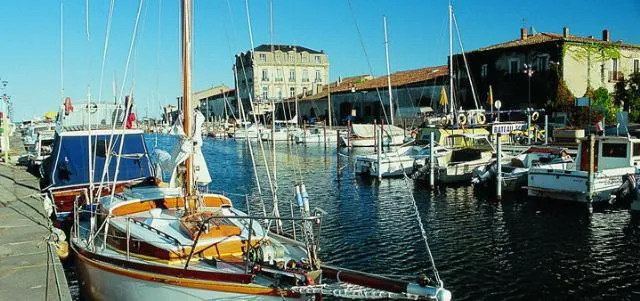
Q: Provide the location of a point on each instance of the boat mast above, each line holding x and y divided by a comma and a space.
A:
386, 48
186, 92
451, 65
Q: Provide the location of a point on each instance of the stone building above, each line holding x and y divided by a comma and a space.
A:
217, 102
368, 97
527, 72
275, 72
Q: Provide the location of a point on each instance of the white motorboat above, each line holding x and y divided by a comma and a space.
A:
364, 135
614, 162
395, 163
515, 172
280, 134
317, 135
42, 147
247, 130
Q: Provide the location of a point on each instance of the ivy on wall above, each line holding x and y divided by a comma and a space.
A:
591, 51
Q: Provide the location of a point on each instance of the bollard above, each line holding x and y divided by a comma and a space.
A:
379, 146
529, 126
546, 129
431, 160
338, 153
349, 134
499, 168
375, 136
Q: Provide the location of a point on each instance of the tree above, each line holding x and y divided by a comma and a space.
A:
628, 92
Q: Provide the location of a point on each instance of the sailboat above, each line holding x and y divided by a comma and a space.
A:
172, 242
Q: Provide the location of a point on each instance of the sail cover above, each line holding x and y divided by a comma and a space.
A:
181, 152
70, 158
368, 131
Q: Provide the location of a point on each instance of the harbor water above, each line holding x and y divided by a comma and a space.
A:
516, 249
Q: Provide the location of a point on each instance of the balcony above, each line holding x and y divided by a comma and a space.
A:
615, 76
265, 79
305, 80
279, 79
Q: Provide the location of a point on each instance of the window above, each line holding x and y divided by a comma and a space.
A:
265, 92
636, 149
265, 75
263, 57
615, 75
636, 66
292, 92
514, 66
614, 65
291, 58
279, 75
542, 63
305, 58
317, 59
292, 75
483, 70
305, 76
318, 76
614, 150
279, 93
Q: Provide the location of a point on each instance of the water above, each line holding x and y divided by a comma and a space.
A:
484, 250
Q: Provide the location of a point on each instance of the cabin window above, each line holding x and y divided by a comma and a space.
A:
636, 149
614, 150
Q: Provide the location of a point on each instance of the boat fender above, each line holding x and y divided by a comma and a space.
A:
414, 134
305, 197
535, 116
481, 119
437, 293
299, 200
59, 240
462, 119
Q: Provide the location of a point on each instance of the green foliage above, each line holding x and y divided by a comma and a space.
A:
592, 51
629, 92
604, 104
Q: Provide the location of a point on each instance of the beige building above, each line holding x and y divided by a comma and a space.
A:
275, 72
216, 102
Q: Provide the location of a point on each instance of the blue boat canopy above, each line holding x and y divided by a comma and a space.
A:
70, 158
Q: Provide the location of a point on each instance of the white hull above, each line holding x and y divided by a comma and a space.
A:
101, 283
390, 166
316, 138
571, 185
369, 142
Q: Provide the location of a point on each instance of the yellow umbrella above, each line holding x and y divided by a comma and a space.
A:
490, 98
50, 115
443, 97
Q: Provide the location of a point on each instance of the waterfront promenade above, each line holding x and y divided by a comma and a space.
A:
29, 266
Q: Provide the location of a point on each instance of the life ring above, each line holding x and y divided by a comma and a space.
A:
535, 116
481, 119
414, 134
462, 119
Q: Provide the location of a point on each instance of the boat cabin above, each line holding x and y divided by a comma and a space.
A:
609, 153
455, 138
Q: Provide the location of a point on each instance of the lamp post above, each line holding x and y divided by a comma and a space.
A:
5, 128
528, 70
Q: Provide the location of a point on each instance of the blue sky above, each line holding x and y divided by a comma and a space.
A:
30, 55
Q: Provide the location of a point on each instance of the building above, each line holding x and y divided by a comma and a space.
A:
529, 71
217, 102
366, 98
276, 72
169, 114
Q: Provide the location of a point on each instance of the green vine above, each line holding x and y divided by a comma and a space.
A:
592, 51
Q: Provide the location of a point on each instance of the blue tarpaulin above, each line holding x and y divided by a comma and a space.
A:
70, 164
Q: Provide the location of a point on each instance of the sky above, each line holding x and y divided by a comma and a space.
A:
349, 31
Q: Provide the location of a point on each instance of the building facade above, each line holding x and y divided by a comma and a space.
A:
364, 98
217, 103
275, 72
528, 72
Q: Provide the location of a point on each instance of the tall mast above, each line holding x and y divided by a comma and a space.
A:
451, 65
186, 91
386, 48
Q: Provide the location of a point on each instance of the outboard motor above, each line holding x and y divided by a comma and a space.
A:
628, 187
482, 174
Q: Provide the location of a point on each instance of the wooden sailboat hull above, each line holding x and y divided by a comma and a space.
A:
102, 280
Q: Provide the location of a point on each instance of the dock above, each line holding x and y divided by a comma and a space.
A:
29, 265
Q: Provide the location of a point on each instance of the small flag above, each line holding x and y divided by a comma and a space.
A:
443, 97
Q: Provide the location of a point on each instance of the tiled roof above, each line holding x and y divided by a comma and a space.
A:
545, 37
285, 48
366, 82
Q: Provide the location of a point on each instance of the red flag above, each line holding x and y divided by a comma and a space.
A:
68, 106
130, 120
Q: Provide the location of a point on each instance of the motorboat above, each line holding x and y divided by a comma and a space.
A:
516, 171
318, 135
603, 166
42, 148
280, 134
397, 162
246, 130
364, 135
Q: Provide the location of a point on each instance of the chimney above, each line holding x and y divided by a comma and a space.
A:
523, 33
565, 32
605, 35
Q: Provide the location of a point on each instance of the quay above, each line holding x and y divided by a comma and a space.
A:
30, 268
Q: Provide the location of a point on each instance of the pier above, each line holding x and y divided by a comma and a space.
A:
29, 265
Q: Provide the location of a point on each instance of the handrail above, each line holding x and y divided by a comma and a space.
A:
150, 228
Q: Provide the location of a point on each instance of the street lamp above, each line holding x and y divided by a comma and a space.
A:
528, 70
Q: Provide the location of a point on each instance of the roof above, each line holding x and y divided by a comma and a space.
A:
213, 91
367, 82
286, 48
544, 37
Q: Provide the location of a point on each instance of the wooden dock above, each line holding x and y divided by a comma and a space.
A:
29, 266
